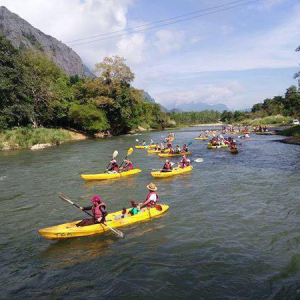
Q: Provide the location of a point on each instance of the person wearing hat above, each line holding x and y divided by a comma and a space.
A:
128, 165
99, 212
152, 197
114, 168
135, 208
167, 167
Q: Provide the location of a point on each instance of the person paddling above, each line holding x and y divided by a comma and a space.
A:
99, 212
114, 167
185, 148
185, 162
167, 167
128, 165
152, 197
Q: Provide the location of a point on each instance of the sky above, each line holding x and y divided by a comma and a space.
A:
236, 57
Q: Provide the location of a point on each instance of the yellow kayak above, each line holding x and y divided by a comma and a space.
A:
104, 176
158, 151
114, 220
175, 171
201, 138
145, 147
174, 154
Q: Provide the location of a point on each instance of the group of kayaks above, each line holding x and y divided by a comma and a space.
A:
117, 219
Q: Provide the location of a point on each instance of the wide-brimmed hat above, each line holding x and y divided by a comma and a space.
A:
96, 198
152, 187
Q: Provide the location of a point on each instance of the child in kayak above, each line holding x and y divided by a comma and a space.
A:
99, 212
177, 150
135, 208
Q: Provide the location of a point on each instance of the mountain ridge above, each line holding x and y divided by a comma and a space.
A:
24, 36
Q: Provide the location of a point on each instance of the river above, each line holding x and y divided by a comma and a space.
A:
232, 230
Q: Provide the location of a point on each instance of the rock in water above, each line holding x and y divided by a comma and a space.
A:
25, 36
40, 146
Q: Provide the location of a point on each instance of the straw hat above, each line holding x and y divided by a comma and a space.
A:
152, 187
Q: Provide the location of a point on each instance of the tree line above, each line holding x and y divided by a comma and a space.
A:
34, 92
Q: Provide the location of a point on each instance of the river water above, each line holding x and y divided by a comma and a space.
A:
232, 230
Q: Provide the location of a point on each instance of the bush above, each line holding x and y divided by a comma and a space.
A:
21, 138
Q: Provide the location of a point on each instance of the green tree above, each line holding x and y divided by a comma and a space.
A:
88, 117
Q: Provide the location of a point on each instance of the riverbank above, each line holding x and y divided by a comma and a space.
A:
293, 134
269, 121
35, 139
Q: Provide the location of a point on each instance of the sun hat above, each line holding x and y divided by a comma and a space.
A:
96, 198
152, 187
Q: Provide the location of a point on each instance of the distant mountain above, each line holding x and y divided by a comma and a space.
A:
175, 110
148, 98
25, 36
199, 106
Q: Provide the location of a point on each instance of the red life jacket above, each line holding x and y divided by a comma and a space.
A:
129, 166
115, 168
167, 166
151, 203
96, 210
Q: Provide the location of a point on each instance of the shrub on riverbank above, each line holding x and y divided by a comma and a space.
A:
22, 138
292, 131
269, 120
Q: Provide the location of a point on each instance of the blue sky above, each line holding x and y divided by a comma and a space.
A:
236, 57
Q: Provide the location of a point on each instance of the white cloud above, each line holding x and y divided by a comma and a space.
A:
132, 48
268, 4
169, 40
69, 20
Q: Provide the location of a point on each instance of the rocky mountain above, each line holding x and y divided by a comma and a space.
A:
199, 106
148, 98
25, 36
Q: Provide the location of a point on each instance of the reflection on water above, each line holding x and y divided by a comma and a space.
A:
232, 230
71, 252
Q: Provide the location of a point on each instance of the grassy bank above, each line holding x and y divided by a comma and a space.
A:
292, 131
22, 138
270, 120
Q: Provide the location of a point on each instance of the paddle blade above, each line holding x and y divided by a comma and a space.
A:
115, 154
158, 207
190, 143
64, 198
129, 152
198, 160
137, 140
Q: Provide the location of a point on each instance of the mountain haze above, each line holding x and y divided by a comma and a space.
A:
199, 106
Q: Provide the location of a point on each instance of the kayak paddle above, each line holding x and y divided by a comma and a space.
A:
67, 199
129, 152
115, 154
